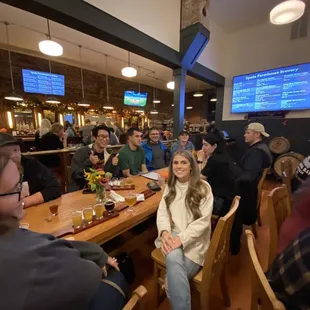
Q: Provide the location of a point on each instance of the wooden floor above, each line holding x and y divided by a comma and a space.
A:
238, 279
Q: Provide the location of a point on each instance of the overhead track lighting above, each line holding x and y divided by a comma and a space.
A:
13, 96
50, 47
129, 71
287, 12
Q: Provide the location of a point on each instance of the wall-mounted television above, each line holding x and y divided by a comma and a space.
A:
135, 99
45, 83
283, 89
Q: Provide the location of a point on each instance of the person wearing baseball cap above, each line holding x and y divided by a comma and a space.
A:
43, 185
255, 160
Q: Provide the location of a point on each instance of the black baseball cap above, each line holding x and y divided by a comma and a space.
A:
6, 139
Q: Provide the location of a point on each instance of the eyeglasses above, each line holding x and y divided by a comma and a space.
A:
18, 189
103, 137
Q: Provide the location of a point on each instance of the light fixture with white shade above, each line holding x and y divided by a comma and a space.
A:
129, 71
53, 100
154, 112
213, 100
198, 94
12, 96
50, 47
140, 111
189, 108
107, 106
171, 85
287, 12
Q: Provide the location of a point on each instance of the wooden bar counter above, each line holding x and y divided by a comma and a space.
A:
37, 216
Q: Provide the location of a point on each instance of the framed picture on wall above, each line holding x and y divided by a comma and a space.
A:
49, 115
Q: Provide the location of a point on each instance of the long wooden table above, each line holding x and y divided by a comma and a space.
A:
101, 233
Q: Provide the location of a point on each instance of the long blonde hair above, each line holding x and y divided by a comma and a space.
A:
45, 127
197, 189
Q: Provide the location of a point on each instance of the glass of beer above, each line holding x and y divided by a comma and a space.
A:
99, 209
109, 206
131, 200
129, 182
122, 182
54, 210
88, 215
77, 219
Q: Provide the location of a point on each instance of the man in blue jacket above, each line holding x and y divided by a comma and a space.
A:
157, 154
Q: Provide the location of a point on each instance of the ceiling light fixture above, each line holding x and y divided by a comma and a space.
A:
172, 105
213, 100
287, 12
83, 102
171, 85
154, 112
198, 94
108, 106
12, 96
129, 71
189, 108
50, 47
51, 99
155, 96
140, 111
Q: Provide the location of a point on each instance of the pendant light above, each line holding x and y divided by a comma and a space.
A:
52, 99
108, 105
198, 93
155, 99
154, 111
12, 96
50, 47
171, 85
129, 71
213, 100
287, 12
83, 102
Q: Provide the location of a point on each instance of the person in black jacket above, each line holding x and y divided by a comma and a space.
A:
219, 170
47, 273
94, 156
43, 186
257, 158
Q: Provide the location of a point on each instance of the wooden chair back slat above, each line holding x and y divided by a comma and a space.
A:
286, 176
263, 296
137, 301
218, 251
279, 209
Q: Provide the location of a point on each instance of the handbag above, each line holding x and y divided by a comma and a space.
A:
126, 267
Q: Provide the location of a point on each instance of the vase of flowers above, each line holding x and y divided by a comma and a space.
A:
97, 181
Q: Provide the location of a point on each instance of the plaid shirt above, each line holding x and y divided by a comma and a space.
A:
289, 275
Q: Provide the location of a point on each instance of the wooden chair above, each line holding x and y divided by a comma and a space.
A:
286, 176
68, 175
260, 187
279, 209
214, 265
263, 296
137, 301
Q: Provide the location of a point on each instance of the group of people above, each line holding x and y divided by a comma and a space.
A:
196, 188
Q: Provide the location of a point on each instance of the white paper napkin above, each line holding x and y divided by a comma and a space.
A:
116, 197
140, 197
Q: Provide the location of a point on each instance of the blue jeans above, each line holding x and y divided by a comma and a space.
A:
179, 270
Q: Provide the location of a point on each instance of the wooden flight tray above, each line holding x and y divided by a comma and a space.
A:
119, 188
72, 231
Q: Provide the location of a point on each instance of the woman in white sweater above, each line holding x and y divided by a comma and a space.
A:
184, 226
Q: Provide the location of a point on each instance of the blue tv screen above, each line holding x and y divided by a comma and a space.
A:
45, 83
282, 89
135, 99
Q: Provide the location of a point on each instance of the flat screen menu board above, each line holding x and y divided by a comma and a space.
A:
282, 89
135, 99
45, 83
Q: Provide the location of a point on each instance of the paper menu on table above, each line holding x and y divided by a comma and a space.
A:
151, 175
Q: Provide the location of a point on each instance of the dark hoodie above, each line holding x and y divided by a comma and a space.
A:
40, 272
